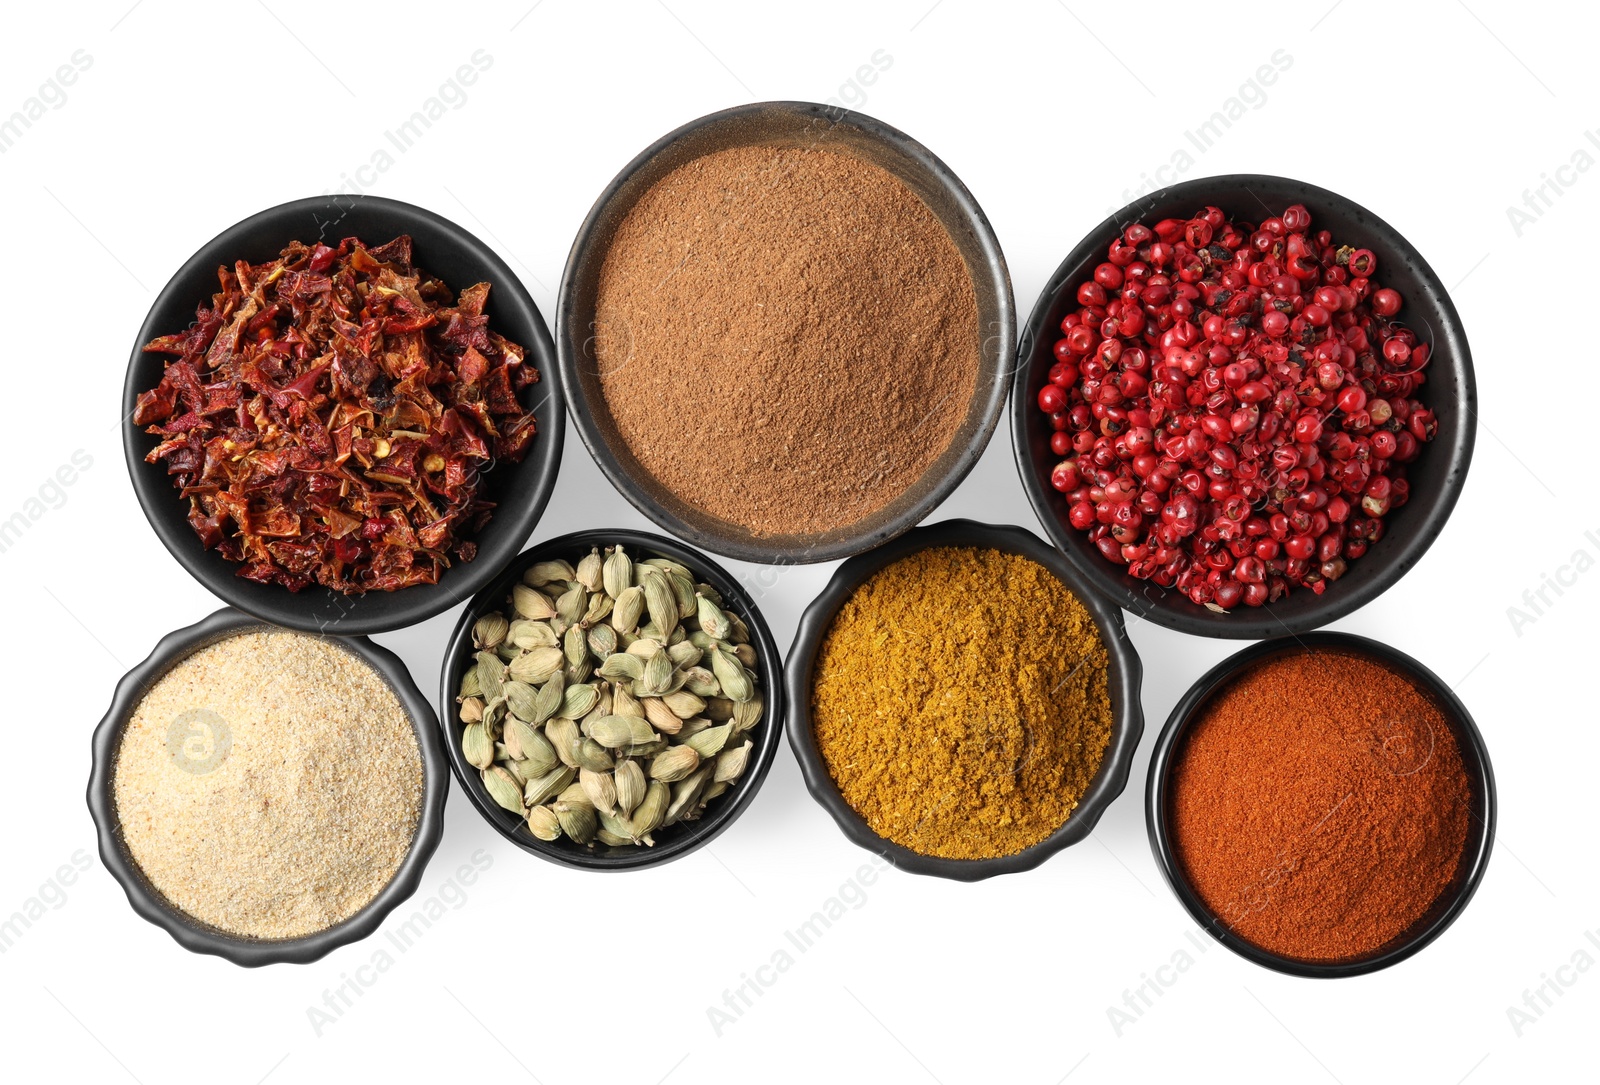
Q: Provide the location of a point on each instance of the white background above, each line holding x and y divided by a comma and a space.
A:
192, 116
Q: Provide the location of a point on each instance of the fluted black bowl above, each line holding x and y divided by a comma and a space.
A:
1436, 476
1127, 722
675, 841
449, 253
201, 937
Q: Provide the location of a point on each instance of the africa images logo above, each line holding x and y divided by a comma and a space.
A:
199, 741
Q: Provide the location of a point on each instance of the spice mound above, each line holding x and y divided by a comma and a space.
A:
1237, 405
328, 417
611, 699
269, 785
1319, 807
787, 338
961, 702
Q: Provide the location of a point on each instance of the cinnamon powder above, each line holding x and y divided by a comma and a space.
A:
787, 337
1320, 806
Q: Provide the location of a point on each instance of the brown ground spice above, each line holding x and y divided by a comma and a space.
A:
787, 337
960, 701
1320, 806
294, 804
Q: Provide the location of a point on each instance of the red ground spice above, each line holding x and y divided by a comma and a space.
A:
1320, 806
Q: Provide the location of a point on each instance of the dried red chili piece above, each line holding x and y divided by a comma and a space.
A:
329, 416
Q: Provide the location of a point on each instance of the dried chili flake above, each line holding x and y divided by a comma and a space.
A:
330, 415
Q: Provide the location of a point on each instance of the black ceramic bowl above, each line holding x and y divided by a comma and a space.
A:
1436, 476
201, 937
786, 124
1125, 675
444, 250
1474, 759
675, 841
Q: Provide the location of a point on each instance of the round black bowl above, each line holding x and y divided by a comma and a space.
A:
1474, 760
786, 124
200, 937
1125, 676
446, 251
1436, 475
677, 840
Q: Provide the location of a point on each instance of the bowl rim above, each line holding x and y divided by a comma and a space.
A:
193, 934
1475, 759
1125, 679
568, 351
518, 521
720, 815
1189, 618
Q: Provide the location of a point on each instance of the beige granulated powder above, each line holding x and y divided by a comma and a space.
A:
787, 338
269, 785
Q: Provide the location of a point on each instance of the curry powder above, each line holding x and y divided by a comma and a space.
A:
961, 702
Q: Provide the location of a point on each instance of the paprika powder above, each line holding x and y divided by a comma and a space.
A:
1319, 806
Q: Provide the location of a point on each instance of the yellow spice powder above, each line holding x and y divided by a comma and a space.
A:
269, 785
960, 702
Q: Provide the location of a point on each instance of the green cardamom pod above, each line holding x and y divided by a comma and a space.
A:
541, 573
518, 776
477, 747
578, 700
575, 644
684, 704
571, 604
580, 672
616, 573
602, 640
521, 699
618, 731
627, 610
592, 756
469, 684
644, 751
605, 836
715, 789
710, 593
624, 703
661, 716
659, 601
598, 610
574, 793
731, 675
601, 789
590, 570
548, 701
702, 640
667, 565
682, 594
746, 655
540, 791
577, 821
652, 809
471, 710
491, 674
537, 665
731, 764
538, 755
709, 743
657, 676
746, 714
713, 621
719, 708
502, 788
623, 665
564, 736
691, 727
630, 784
526, 633
701, 682
489, 630
522, 739
741, 632
686, 795
684, 654
674, 763
644, 647
615, 825
543, 823
531, 603
506, 651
